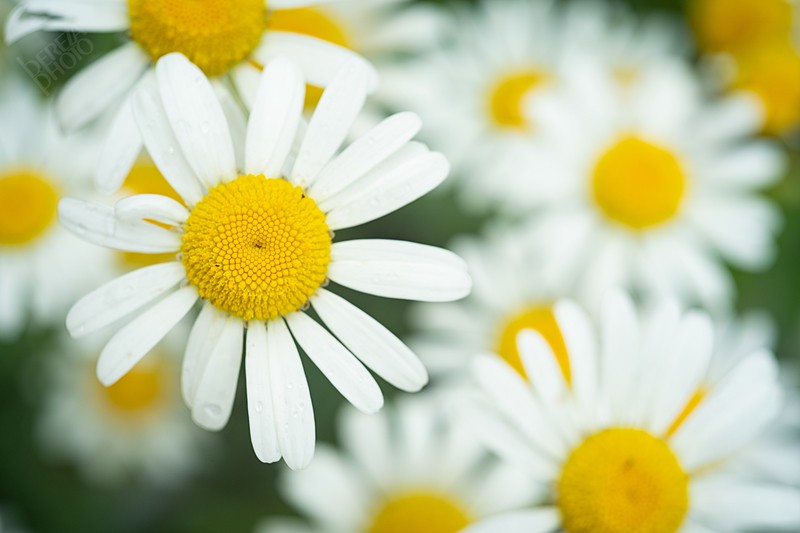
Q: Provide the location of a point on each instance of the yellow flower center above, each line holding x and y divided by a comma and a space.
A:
507, 97
28, 205
215, 35
420, 512
542, 320
771, 71
731, 25
623, 481
317, 23
638, 184
145, 178
256, 247
142, 390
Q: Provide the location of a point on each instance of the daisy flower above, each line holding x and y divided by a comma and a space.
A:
658, 186
507, 297
407, 469
225, 38
136, 429
42, 267
254, 243
636, 437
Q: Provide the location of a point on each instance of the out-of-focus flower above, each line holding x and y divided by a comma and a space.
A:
658, 185
42, 267
507, 297
408, 469
472, 94
225, 38
637, 437
137, 429
255, 244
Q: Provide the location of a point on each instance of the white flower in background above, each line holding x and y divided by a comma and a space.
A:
636, 437
255, 244
408, 469
658, 187
137, 429
225, 38
507, 297
42, 267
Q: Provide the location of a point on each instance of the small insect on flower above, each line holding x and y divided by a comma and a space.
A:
255, 245
643, 436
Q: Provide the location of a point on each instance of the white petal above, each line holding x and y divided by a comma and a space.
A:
364, 154
95, 88
259, 395
373, 344
121, 296
319, 60
341, 367
213, 401
196, 118
122, 147
274, 118
398, 187
398, 269
13, 294
99, 225
294, 415
581, 343
205, 335
542, 520
620, 364
292, 4
161, 143
334, 116
542, 367
132, 342
62, 15
734, 505
151, 207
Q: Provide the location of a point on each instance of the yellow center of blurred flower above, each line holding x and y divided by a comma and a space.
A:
145, 178
542, 320
507, 96
771, 71
731, 25
215, 35
638, 184
623, 481
141, 390
256, 247
28, 205
420, 512
315, 22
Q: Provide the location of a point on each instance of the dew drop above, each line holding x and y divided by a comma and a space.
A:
212, 410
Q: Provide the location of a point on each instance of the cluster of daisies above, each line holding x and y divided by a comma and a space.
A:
178, 202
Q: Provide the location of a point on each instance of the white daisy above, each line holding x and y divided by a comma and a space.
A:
636, 437
138, 428
507, 297
42, 267
225, 38
657, 186
255, 245
408, 469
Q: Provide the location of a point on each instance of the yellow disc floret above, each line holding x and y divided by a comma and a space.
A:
256, 247
214, 34
420, 512
28, 206
506, 98
638, 184
623, 481
542, 320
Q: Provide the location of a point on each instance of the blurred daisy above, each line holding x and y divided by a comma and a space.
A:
507, 298
220, 36
377, 30
42, 267
733, 25
255, 245
137, 428
658, 185
405, 470
636, 438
